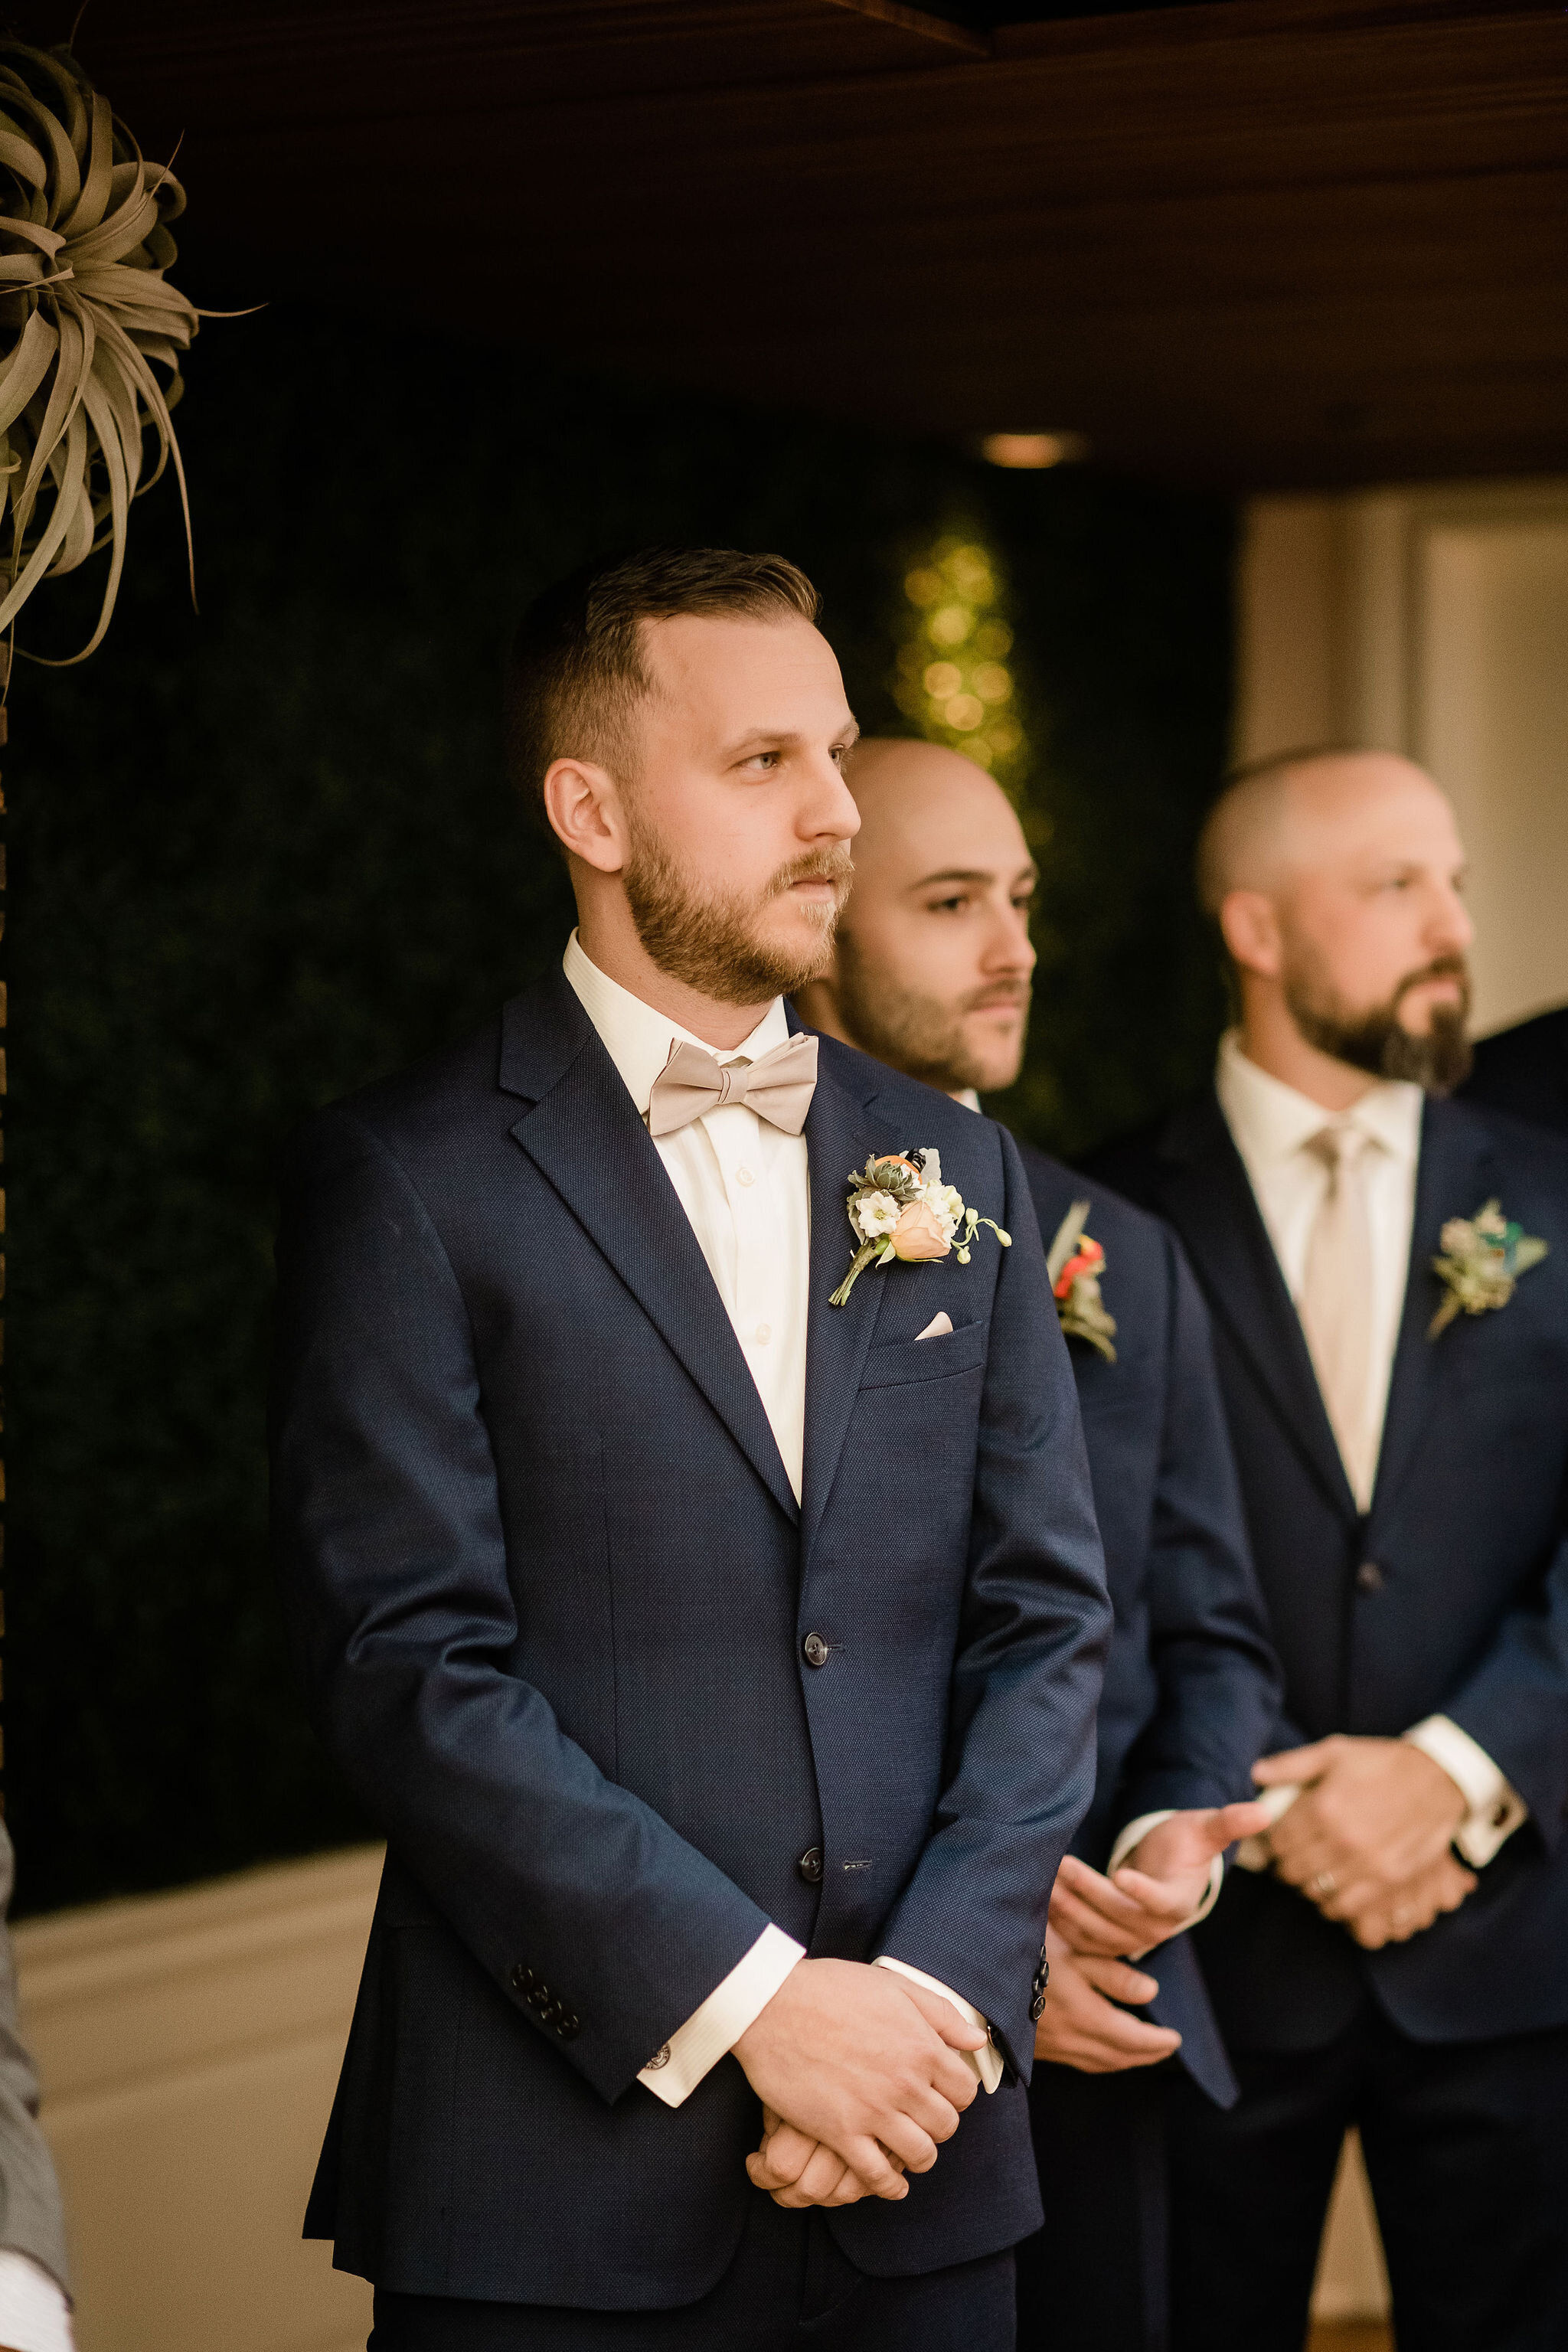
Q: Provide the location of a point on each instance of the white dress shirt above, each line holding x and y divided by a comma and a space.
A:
1273, 1124
34, 2315
746, 1187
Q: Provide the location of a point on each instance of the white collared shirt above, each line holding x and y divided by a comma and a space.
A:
746, 1187
1272, 1124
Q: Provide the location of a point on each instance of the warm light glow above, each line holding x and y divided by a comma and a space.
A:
951, 677
1030, 451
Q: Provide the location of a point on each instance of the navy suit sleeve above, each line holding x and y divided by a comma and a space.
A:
394, 1569
1515, 1703
1219, 1683
1026, 1680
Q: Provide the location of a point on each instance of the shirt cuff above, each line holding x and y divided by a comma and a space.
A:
695, 2048
985, 2064
1127, 1842
1494, 1809
34, 2315
1255, 1853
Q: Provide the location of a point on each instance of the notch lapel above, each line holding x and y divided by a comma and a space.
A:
1209, 1199
1452, 1177
839, 1135
586, 1139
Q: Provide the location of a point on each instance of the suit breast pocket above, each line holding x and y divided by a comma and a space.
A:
941, 1358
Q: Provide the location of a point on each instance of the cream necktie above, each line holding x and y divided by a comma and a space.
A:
1336, 1303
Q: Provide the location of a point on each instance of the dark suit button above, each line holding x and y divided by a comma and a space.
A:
1369, 1577
522, 1978
569, 2025
1037, 2008
810, 1865
814, 1650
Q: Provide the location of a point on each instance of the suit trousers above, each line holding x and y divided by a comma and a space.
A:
1096, 2278
1466, 2150
788, 2289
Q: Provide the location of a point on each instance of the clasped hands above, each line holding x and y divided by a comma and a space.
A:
861, 2077
1368, 1839
1097, 1924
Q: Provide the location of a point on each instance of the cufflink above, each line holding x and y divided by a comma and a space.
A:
660, 2058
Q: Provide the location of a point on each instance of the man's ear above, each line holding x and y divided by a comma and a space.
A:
1249, 925
583, 802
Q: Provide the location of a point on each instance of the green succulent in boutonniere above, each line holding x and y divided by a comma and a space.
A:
1074, 1264
1482, 1259
899, 1207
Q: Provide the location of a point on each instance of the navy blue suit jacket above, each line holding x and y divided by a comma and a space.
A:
1192, 1691
1450, 1596
1524, 1070
548, 1588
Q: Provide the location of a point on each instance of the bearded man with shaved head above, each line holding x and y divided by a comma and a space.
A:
930, 971
1387, 1272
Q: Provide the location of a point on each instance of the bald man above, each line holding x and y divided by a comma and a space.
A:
931, 972
1387, 1273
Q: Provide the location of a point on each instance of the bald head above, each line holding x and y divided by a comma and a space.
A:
1287, 814
1336, 877
931, 970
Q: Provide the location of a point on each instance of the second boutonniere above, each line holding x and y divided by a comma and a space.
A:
1074, 1264
899, 1207
1480, 1260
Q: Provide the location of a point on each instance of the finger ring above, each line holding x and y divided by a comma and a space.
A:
1325, 1882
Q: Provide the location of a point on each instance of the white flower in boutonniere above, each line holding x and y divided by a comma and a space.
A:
899, 1207
1074, 1264
1482, 1259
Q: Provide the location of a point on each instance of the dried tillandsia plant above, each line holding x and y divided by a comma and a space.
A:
86, 316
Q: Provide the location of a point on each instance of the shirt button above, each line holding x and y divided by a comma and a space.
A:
764, 1332
744, 1176
810, 1865
814, 1650
1369, 1577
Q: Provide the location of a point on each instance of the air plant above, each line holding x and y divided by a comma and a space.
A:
86, 315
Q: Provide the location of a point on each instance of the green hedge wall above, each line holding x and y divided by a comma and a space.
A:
261, 853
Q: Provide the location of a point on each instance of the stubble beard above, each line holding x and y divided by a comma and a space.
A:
1374, 1038
711, 940
914, 1033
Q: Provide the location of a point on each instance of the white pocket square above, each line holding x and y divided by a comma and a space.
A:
937, 1328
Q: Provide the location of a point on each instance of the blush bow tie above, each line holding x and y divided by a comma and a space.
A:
778, 1086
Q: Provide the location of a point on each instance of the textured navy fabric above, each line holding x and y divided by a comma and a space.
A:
1191, 1690
548, 1587
789, 2288
1524, 1071
1451, 1595
1464, 2149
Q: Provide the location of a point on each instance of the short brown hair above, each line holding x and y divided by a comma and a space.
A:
575, 670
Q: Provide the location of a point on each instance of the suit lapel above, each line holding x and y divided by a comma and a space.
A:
1210, 1200
586, 1139
1453, 1178
840, 1135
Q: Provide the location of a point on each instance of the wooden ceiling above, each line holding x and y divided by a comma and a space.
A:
1260, 243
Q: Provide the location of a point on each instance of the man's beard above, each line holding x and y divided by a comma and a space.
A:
1375, 1039
918, 1034
711, 940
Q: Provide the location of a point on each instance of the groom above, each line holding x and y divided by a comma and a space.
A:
720, 1663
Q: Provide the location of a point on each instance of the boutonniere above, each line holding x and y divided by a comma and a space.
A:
1482, 1259
899, 1207
1074, 1264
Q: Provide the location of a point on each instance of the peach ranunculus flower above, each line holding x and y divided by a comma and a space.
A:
919, 1233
